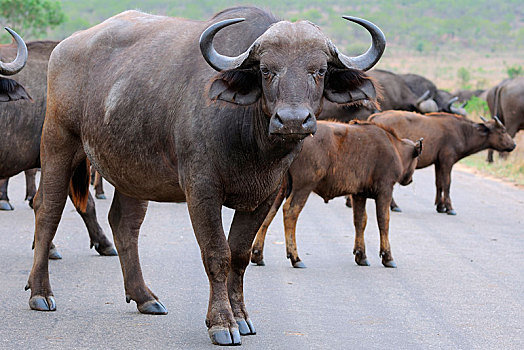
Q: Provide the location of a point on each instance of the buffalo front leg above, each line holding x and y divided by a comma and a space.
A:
291, 210
30, 186
360, 219
446, 184
4, 199
98, 239
257, 252
382, 208
125, 217
243, 229
439, 200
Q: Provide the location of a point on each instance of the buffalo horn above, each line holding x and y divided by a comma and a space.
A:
483, 119
21, 56
372, 55
498, 121
453, 100
424, 97
214, 59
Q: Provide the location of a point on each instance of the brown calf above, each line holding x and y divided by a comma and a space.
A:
360, 159
447, 139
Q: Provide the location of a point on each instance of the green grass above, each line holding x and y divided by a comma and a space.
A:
511, 169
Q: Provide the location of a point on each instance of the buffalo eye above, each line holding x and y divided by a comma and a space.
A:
265, 72
321, 72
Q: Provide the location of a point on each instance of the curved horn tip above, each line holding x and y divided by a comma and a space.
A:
483, 119
378, 44
21, 56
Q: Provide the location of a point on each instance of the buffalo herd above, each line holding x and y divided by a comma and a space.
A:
149, 104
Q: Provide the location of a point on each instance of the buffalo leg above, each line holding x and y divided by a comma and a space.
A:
58, 162
257, 252
99, 186
439, 201
382, 203
4, 199
206, 218
443, 179
489, 159
30, 186
292, 208
243, 230
98, 239
394, 207
359, 221
125, 217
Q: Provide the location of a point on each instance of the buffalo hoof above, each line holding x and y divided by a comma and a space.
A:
5, 205
451, 212
100, 196
224, 336
390, 263
41, 303
364, 262
261, 263
245, 327
257, 258
396, 209
54, 254
441, 209
152, 307
299, 265
107, 250
30, 202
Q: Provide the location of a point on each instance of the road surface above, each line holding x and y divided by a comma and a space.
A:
458, 285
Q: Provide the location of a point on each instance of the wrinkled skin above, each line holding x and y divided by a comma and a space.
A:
359, 159
157, 122
22, 121
447, 139
506, 101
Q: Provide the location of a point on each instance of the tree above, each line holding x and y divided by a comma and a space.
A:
31, 18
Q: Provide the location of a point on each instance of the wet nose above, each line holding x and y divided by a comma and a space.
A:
293, 121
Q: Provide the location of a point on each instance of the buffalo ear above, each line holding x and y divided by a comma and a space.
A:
348, 86
418, 148
483, 128
238, 86
10, 90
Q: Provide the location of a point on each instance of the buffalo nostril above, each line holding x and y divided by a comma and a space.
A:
308, 119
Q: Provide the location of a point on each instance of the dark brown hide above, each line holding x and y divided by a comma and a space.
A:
506, 101
447, 139
135, 96
359, 159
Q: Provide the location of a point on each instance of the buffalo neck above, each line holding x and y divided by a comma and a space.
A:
474, 140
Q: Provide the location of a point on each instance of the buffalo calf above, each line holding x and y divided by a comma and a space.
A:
359, 159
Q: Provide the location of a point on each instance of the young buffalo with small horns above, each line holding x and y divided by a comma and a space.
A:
360, 159
140, 99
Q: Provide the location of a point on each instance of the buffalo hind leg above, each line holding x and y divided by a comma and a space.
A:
4, 199
394, 207
99, 186
241, 234
443, 180
257, 252
439, 200
292, 208
382, 208
98, 239
125, 217
30, 186
359, 221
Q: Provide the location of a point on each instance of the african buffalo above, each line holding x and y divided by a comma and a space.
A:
506, 101
139, 98
30, 190
444, 100
359, 159
394, 94
21, 124
10, 90
466, 95
447, 139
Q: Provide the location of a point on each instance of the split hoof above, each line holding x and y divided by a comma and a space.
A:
224, 336
152, 307
299, 265
390, 263
108, 250
451, 212
245, 327
54, 254
441, 210
364, 262
396, 210
41, 303
5, 205
100, 196
261, 263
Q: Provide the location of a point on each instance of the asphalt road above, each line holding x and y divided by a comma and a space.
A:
458, 285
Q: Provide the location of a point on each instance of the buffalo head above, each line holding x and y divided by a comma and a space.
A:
289, 69
10, 90
412, 151
498, 138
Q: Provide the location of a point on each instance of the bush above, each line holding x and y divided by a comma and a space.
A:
514, 71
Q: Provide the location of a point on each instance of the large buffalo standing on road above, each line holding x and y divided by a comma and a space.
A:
506, 101
447, 139
139, 98
21, 124
10, 90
